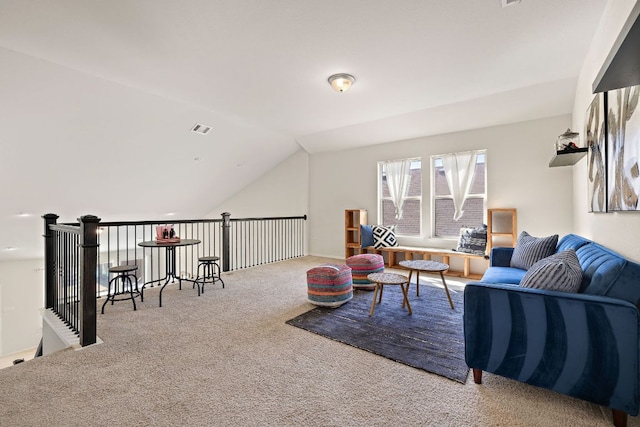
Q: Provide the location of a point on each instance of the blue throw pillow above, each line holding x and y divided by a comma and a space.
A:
366, 236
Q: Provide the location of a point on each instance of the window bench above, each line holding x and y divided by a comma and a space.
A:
445, 255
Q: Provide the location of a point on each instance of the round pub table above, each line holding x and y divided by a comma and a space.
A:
170, 262
427, 267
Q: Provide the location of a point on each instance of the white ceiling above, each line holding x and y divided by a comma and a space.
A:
97, 98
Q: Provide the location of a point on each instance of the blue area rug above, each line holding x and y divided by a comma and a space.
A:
430, 339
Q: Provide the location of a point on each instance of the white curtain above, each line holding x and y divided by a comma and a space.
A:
459, 169
398, 177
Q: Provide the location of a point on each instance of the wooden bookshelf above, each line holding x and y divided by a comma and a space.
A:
502, 227
353, 218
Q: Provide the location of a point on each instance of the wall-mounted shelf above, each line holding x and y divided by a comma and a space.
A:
567, 157
621, 68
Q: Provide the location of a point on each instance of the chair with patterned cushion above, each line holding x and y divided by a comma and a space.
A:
329, 285
361, 266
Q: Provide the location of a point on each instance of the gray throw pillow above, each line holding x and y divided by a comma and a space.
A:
530, 250
558, 272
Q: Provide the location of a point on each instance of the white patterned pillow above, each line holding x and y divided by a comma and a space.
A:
473, 240
558, 272
530, 250
384, 237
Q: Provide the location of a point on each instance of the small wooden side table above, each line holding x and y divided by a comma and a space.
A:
381, 279
427, 267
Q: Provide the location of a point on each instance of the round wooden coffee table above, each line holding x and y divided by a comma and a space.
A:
427, 267
381, 279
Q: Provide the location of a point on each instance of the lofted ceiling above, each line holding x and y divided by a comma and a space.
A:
97, 97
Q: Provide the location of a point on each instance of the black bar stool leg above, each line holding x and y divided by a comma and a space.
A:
109, 294
133, 299
141, 292
197, 283
219, 273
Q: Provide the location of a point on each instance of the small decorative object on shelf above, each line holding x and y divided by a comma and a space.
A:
166, 234
568, 141
567, 150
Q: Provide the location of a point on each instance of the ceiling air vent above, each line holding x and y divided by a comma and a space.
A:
506, 3
201, 129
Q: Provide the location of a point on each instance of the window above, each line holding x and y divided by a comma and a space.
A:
408, 186
443, 207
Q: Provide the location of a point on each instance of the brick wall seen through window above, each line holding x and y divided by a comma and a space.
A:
444, 225
411, 221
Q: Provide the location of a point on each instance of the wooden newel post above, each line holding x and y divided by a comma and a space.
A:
49, 261
226, 241
88, 269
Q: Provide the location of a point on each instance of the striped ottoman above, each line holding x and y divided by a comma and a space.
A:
329, 285
361, 266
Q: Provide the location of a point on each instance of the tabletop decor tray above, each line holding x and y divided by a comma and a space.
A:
169, 240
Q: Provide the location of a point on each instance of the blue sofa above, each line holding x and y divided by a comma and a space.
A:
584, 344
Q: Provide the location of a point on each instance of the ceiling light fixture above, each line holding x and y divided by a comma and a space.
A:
341, 82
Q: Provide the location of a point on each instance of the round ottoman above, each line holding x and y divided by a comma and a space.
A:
329, 285
361, 266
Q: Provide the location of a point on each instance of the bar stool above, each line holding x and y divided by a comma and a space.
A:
118, 285
210, 271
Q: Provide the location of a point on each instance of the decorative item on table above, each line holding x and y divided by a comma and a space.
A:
568, 141
166, 234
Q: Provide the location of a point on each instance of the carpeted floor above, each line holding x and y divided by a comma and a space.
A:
431, 338
228, 358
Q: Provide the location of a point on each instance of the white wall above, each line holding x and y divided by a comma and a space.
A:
283, 191
21, 298
518, 176
618, 231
